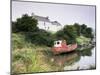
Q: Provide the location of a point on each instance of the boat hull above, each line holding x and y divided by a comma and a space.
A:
68, 48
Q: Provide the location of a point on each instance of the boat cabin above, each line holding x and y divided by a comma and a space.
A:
61, 46
60, 43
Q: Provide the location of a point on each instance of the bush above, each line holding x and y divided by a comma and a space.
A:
25, 24
40, 37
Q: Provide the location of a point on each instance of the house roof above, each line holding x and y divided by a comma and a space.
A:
45, 19
56, 23
40, 18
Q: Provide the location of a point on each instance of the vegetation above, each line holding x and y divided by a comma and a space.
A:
25, 24
81, 40
40, 37
31, 46
71, 33
28, 26
27, 57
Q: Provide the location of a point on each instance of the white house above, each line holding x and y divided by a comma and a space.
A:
46, 24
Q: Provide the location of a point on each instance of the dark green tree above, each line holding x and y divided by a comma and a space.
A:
83, 29
25, 24
68, 33
78, 28
89, 33
70, 30
14, 29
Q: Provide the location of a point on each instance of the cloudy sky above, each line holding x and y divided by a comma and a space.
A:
63, 13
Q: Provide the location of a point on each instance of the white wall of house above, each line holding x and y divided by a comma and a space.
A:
48, 26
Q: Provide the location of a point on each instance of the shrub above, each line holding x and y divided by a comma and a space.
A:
25, 24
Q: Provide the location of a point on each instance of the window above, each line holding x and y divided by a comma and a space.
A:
58, 42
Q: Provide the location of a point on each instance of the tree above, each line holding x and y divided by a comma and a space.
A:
26, 24
41, 37
78, 29
70, 30
83, 29
68, 33
14, 29
89, 33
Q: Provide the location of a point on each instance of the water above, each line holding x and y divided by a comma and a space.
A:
85, 62
77, 60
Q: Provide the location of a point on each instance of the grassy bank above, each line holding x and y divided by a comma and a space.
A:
28, 57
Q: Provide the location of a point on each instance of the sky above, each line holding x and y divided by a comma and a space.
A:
63, 13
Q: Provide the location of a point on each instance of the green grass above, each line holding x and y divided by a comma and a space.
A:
28, 57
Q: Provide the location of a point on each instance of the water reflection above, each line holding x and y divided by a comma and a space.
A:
75, 60
65, 59
85, 62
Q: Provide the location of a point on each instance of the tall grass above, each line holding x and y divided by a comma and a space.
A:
27, 57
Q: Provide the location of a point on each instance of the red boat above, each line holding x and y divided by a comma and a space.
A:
61, 46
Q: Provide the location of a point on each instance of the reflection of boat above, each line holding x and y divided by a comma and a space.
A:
67, 61
64, 59
60, 46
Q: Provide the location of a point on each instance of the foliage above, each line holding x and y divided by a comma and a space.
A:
89, 33
31, 45
78, 28
28, 25
40, 37
71, 32
81, 40
86, 52
24, 24
29, 57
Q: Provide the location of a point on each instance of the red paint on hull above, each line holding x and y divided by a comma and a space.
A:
64, 48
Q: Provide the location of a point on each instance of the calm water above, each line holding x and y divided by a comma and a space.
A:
85, 62
76, 60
